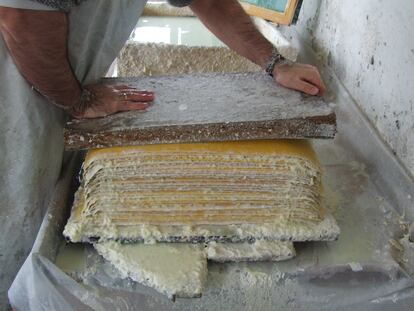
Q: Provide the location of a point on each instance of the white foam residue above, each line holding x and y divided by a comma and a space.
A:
355, 266
173, 269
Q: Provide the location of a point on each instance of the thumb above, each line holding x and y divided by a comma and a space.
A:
130, 105
306, 87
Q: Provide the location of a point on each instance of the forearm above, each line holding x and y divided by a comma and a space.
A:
228, 21
37, 41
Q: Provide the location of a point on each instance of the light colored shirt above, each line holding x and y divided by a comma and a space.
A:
31, 145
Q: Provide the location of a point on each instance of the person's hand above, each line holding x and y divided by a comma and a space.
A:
105, 100
300, 77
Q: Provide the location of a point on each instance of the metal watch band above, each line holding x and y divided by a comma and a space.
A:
275, 58
64, 5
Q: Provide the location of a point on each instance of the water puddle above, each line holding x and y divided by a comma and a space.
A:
187, 31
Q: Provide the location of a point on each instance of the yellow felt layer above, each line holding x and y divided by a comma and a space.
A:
263, 188
300, 148
203, 189
205, 183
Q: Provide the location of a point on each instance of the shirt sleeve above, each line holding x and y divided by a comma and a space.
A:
26, 4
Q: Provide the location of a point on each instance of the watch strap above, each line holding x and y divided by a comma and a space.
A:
275, 58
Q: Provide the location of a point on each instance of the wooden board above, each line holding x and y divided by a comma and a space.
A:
207, 107
275, 5
271, 10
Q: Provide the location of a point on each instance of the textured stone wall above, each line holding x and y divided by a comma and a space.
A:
370, 46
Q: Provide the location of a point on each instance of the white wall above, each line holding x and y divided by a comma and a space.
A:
370, 46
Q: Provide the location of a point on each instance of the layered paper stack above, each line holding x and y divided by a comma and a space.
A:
239, 201
223, 191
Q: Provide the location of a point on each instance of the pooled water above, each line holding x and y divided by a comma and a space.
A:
173, 30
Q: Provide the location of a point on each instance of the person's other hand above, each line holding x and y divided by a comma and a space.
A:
300, 77
109, 99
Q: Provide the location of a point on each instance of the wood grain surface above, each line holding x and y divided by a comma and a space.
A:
204, 108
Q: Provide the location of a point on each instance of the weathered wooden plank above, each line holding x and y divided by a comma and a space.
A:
207, 107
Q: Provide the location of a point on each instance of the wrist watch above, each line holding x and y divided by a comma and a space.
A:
275, 59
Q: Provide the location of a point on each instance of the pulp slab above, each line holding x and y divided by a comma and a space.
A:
146, 59
233, 191
258, 251
290, 230
176, 270
165, 9
204, 108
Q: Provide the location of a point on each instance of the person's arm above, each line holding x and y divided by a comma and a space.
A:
37, 41
228, 21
